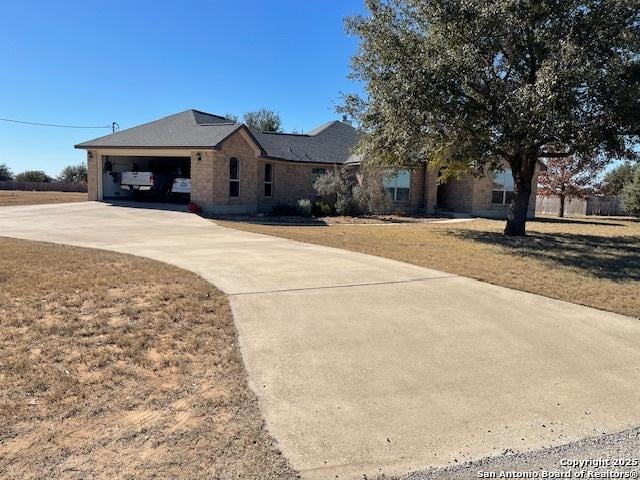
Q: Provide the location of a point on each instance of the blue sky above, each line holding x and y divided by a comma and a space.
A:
93, 62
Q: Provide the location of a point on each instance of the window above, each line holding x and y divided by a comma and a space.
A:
398, 185
316, 173
268, 179
502, 190
234, 177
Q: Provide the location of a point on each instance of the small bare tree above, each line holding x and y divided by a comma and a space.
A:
369, 194
355, 192
568, 177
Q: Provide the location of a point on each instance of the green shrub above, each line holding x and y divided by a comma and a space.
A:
304, 207
332, 186
321, 209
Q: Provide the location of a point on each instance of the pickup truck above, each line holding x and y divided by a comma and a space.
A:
161, 184
137, 181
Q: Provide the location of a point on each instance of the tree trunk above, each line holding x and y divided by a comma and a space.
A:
561, 212
522, 169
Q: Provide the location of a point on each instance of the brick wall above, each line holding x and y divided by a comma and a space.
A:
291, 182
416, 189
471, 194
482, 205
457, 194
210, 178
202, 179
430, 190
93, 171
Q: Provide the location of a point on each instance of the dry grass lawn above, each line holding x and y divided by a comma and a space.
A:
589, 262
114, 366
17, 197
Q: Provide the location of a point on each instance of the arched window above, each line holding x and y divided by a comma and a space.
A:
268, 180
234, 177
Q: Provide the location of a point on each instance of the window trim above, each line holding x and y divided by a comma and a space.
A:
234, 180
504, 190
268, 182
393, 190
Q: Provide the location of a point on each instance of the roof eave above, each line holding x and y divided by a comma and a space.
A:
146, 147
316, 162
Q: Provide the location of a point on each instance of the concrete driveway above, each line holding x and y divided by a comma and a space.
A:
363, 364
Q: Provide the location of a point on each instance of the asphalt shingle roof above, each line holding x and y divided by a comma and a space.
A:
190, 128
329, 143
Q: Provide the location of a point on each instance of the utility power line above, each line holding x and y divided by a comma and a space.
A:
113, 126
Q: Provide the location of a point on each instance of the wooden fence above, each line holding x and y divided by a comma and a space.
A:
605, 205
44, 186
580, 207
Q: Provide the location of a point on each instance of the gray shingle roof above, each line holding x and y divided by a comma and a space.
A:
190, 128
330, 143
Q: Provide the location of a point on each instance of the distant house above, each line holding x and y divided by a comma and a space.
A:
237, 169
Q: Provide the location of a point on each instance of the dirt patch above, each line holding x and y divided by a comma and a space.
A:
115, 366
593, 262
17, 197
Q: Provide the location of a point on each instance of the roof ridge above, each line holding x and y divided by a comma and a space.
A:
321, 128
208, 113
266, 132
194, 113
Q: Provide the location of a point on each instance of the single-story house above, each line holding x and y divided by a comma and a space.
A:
235, 169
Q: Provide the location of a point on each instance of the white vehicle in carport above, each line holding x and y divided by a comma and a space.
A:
137, 181
144, 182
181, 185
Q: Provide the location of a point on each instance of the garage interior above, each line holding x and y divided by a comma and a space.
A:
164, 169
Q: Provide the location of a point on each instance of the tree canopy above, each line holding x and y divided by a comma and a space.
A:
263, 119
5, 172
615, 179
631, 194
32, 176
74, 173
470, 85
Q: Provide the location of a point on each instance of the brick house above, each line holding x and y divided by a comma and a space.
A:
237, 169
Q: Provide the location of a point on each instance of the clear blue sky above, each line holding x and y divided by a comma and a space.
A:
93, 62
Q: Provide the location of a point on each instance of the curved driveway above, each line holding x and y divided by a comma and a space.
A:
364, 364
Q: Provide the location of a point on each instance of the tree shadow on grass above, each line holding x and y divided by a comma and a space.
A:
601, 221
614, 258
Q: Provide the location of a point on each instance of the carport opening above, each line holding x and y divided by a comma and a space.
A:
142, 178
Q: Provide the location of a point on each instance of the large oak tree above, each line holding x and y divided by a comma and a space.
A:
472, 84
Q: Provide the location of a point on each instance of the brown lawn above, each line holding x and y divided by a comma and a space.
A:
17, 197
594, 262
114, 366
